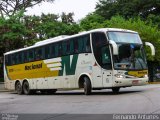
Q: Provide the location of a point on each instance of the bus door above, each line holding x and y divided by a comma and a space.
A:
97, 76
102, 68
107, 72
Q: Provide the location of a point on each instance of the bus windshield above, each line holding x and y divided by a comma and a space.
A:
124, 37
131, 52
131, 56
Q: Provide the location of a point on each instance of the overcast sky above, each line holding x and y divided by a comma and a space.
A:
80, 8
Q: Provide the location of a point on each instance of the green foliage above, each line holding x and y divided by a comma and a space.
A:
19, 30
11, 33
154, 19
128, 8
91, 21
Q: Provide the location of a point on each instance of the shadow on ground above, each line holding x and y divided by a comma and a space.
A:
82, 93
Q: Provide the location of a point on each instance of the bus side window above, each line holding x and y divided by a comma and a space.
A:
106, 59
13, 59
86, 44
9, 60
31, 55
76, 49
98, 41
38, 54
6, 60
80, 44
66, 47
71, 51
19, 58
25, 56
52, 51
16, 58
47, 52
58, 49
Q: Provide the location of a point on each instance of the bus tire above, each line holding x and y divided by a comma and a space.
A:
18, 88
115, 90
26, 88
87, 86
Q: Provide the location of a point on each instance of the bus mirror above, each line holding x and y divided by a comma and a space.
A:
152, 47
115, 47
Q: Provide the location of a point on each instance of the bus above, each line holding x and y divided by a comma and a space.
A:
105, 58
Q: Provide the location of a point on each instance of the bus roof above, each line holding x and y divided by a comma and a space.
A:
65, 37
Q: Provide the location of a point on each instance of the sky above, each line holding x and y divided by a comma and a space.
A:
80, 8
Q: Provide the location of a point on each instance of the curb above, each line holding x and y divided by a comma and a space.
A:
153, 82
4, 91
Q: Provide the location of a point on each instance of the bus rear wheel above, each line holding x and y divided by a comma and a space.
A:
26, 88
18, 88
87, 86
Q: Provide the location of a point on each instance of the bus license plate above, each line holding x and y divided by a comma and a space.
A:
135, 82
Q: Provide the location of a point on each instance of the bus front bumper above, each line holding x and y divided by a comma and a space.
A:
130, 82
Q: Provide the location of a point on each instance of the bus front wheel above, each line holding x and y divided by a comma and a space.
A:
19, 89
87, 86
115, 90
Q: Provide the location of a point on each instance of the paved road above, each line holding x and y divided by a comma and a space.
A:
1, 86
143, 99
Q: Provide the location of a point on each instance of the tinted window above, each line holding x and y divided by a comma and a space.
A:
31, 55
19, 58
71, 46
106, 59
66, 47
13, 59
47, 52
6, 60
76, 46
26, 56
84, 44
39, 53
101, 49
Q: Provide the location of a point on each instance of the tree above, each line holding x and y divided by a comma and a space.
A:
67, 18
91, 21
154, 18
128, 8
12, 33
11, 7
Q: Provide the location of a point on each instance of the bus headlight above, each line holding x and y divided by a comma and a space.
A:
145, 76
119, 76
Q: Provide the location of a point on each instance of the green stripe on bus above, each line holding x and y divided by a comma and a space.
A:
68, 65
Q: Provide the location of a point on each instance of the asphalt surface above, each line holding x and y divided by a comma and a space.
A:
132, 100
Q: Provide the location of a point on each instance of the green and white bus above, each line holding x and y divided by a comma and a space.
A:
106, 58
